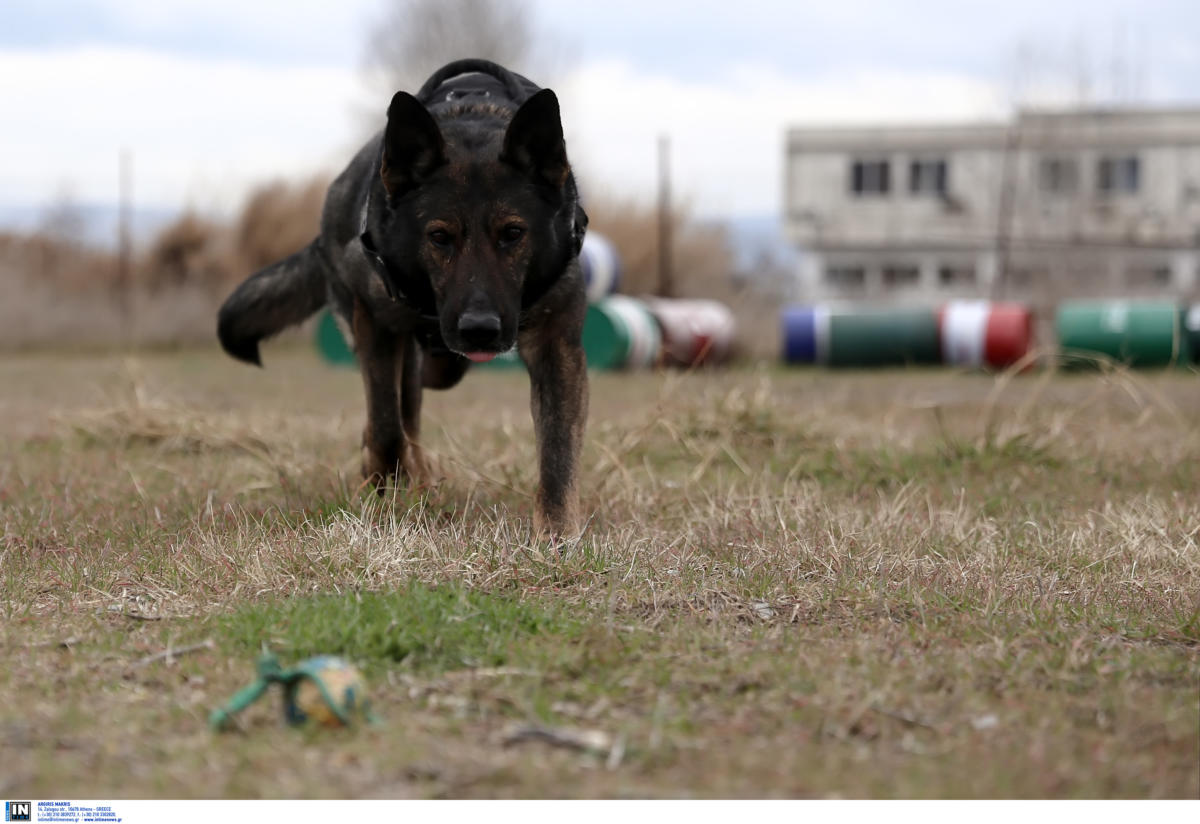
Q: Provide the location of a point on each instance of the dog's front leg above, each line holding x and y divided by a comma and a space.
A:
383, 436
409, 357
558, 400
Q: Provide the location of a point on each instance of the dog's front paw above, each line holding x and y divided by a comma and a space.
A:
382, 467
380, 463
558, 522
415, 466
376, 471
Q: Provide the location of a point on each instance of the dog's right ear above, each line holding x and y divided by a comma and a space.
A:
413, 146
534, 140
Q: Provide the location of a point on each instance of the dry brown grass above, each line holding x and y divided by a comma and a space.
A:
49, 261
64, 295
276, 220
279, 219
703, 264
792, 584
191, 251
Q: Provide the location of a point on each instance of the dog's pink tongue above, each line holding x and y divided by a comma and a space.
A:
481, 357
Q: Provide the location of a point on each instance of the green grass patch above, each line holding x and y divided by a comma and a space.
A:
423, 628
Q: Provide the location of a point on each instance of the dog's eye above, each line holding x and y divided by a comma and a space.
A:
511, 233
440, 238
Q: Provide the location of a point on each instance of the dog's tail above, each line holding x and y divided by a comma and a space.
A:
272, 299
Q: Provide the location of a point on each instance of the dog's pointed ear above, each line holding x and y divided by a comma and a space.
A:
413, 146
534, 140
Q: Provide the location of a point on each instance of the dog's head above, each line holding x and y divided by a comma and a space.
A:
477, 217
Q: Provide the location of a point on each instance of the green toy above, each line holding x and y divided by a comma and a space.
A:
324, 689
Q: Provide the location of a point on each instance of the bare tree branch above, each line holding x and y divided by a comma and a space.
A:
416, 37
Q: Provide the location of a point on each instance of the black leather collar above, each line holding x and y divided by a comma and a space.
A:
426, 309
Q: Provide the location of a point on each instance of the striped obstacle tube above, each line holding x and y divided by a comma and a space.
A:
979, 333
620, 333
694, 332
1191, 324
1137, 333
601, 266
857, 336
805, 334
330, 341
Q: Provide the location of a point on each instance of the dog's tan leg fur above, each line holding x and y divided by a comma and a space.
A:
558, 401
413, 462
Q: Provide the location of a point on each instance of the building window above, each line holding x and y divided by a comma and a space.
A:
952, 276
846, 277
899, 276
927, 177
870, 177
1149, 276
1024, 277
1058, 175
1118, 175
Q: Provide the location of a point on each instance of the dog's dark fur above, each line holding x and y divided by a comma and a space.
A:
456, 230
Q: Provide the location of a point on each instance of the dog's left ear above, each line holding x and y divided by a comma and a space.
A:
534, 141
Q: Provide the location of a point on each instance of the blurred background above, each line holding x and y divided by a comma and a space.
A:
756, 153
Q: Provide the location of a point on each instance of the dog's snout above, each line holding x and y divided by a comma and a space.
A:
479, 329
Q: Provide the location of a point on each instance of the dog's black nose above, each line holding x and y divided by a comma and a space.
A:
479, 329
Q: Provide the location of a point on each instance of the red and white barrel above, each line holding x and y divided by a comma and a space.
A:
981, 333
694, 332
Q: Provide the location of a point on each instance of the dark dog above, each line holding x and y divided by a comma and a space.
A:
450, 236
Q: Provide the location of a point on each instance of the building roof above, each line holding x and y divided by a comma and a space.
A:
1077, 128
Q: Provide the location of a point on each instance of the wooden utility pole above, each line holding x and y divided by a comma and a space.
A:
666, 277
1005, 207
125, 235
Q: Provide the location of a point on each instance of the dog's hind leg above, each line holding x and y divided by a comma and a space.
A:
383, 436
442, 371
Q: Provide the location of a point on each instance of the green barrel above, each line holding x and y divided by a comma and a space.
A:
331, 343
1137, 333
1191, 325
883, 337
620, 333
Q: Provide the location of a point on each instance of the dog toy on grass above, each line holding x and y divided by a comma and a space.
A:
324, 689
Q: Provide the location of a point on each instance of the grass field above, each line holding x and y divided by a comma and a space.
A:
793, 583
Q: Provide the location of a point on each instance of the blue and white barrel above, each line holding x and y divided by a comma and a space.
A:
860, 336
601, 266
806, 334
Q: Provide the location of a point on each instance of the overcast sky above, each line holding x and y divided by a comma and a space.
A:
213, 96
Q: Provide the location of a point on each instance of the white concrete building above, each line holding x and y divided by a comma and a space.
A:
1057, 203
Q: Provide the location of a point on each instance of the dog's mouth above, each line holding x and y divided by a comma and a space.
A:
478, 354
